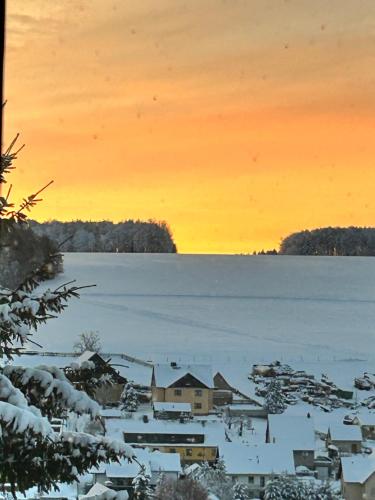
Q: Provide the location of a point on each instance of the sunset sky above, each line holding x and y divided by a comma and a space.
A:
236, 121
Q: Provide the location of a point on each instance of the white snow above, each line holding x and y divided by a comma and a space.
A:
297, 432
172, 407
257, 459
208, 308
357, 468
341, 432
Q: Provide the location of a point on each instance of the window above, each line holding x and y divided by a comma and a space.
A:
198, 392
172, 450
262, 481
189, 452
197, 406
177, 392
251, 479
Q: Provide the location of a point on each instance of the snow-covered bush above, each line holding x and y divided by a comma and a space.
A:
241, 492
289, 488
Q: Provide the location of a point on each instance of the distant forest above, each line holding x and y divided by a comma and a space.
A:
104, 236
349, 241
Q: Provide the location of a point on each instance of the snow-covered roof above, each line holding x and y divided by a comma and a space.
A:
295, 431
342, 432
358, 468
260, 459
166, 375
171, 407
85, 356
367, 419
165, 462
243, 407
213, 432
100, 491
111, 413
153, 461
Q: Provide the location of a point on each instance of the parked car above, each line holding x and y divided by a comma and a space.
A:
362, 383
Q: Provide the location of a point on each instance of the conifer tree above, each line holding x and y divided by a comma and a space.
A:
129, 399
141, 484
31, 453
274, 400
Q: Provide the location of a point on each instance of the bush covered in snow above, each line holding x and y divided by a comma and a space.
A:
289, 488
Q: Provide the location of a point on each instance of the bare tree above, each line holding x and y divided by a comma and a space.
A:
88, 341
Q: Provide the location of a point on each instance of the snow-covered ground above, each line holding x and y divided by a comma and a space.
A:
221, 308
315, 313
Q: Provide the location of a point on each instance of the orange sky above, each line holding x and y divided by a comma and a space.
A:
236, 121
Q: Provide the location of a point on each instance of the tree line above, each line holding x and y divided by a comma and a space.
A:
343, 241
105, 236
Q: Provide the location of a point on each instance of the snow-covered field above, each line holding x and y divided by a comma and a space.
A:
221, 308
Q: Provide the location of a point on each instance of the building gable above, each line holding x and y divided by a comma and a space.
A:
188, 381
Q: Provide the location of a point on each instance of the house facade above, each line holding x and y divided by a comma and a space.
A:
108, 393
295, 432
191, 447
120, 475
184, 384
255, 465
357, 477
346, 438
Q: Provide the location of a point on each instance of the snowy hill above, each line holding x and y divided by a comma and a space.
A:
221, 307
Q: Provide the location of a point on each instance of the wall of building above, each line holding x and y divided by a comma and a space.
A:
188, 395
369, 487
368, 431
347, 446
352, 491
189, 454
305, 458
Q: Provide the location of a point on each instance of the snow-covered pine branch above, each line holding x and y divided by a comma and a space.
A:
31, 453
53, 396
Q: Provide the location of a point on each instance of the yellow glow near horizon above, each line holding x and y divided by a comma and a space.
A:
236, 121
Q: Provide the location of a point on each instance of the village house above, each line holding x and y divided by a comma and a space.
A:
226, 394
295, 432
108, 393
255, 465
367, 424
172, 411
176, 383
101, 491
194, 441
119, 476
191, 447
344, 438
357, 476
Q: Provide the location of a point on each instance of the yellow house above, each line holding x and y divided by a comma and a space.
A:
191, 445
358, 477
176, 383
